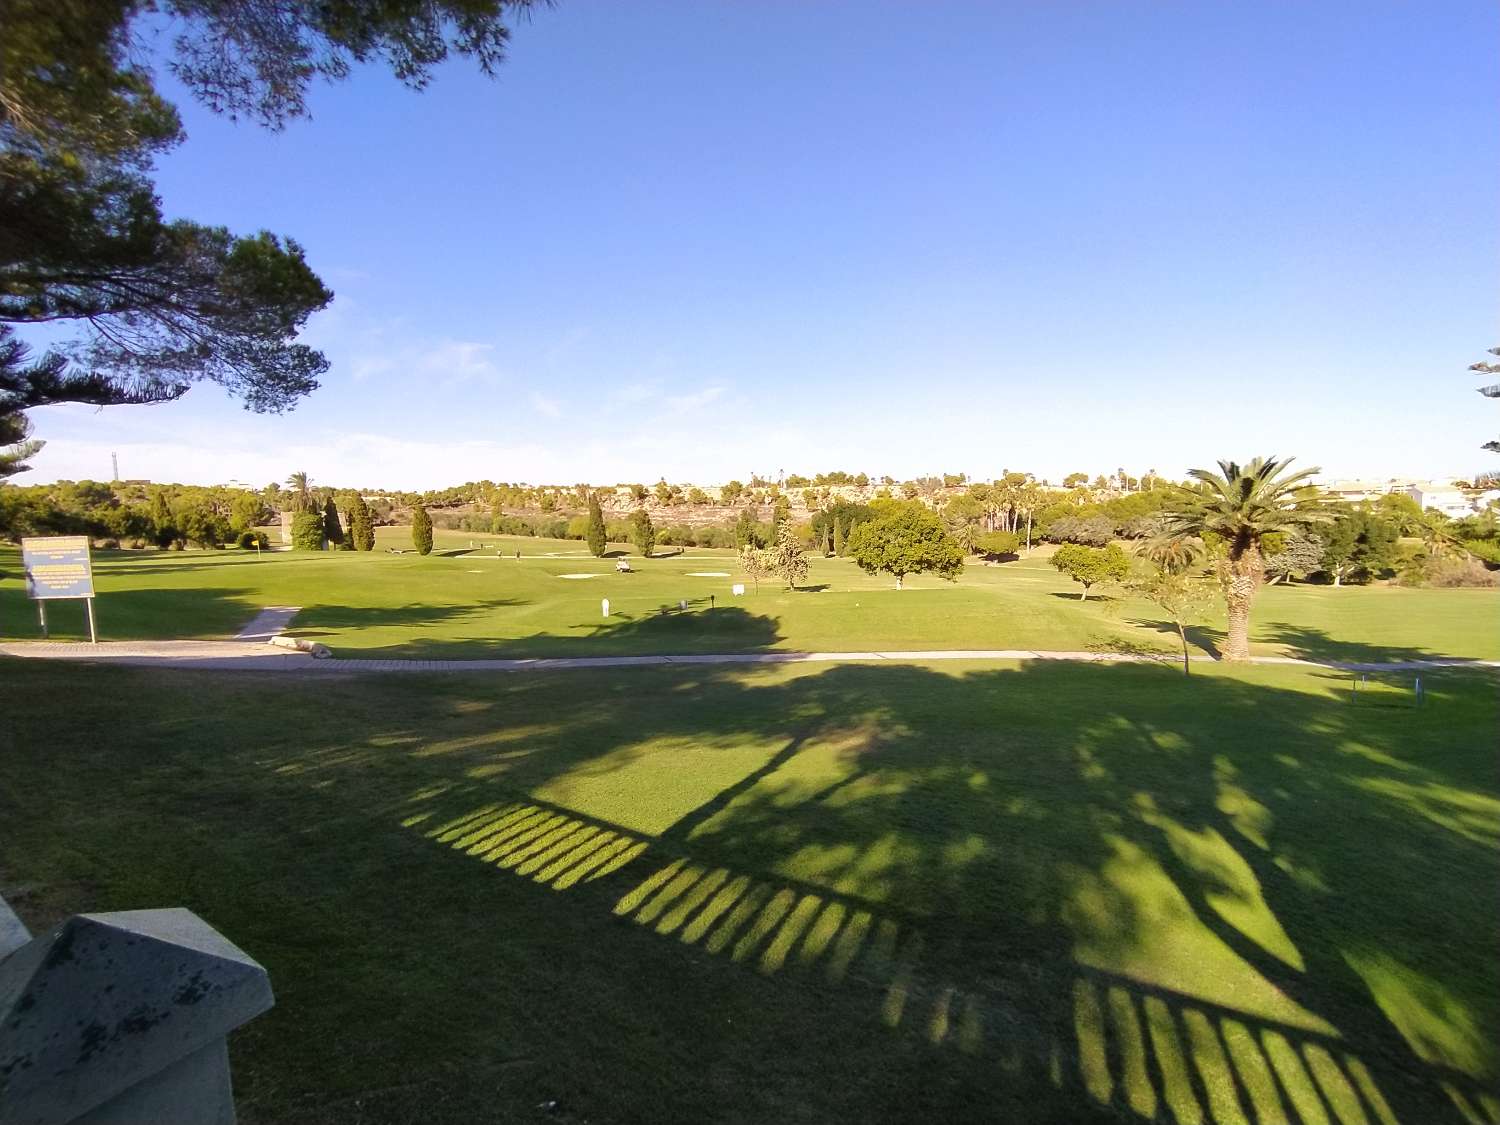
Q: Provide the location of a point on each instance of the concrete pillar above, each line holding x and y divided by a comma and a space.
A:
122, 1017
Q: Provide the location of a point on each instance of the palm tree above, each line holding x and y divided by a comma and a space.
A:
300, 484
1173, 554
1237, 506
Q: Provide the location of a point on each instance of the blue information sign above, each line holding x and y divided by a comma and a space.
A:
57, 567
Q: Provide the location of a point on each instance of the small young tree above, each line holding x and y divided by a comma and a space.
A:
1089, 566
909, 539
788, 559
755, 563
362, 525
643, 531
307, 531
421, 530
1179, 595
595, 535
838, 534
332, 531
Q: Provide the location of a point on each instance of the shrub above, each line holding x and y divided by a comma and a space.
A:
1454, 572
307, 531
249, 540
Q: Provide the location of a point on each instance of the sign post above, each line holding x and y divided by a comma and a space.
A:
59, 567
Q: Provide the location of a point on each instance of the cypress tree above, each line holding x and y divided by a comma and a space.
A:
838, 534
361, 525
597, 540
643, 531
421, 530
331, 529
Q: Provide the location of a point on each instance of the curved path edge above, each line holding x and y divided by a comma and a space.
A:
239, 656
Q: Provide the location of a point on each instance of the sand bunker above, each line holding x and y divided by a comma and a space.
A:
578, 576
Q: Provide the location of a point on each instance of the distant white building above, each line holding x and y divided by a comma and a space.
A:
1433, 496
1356, 491
239, 484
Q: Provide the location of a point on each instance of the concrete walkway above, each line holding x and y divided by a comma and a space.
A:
237, 655
269, 622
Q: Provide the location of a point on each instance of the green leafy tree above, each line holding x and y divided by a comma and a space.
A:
595, 535
747, 530
1358, 544
642, 531
1089, 566
1075, 480
731, 492
1299, 555
421, 530
1239, 505
1181, 596
906, 539
788, 558
361, 524
307, 531
838, 535
997, 543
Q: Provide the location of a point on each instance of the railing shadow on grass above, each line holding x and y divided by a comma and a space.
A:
1122, 1046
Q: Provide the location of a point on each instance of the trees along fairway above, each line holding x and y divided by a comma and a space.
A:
908, 539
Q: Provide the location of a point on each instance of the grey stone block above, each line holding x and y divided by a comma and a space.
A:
13, 934
138, 1001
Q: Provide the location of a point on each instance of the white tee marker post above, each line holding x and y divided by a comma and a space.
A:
604, 607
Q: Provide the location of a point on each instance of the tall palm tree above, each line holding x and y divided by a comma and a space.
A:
1237, 506
300, 484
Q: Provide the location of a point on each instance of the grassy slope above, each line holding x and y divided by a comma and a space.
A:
380, 604
860, 893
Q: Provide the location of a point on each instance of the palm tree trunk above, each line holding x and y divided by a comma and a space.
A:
1245, 573
1181, 632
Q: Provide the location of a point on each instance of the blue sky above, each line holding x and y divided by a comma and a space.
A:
701, 240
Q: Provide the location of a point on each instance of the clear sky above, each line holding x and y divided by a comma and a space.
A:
702, 240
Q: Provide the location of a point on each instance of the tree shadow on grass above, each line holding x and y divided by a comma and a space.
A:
1306, 643
138, 614
1202, 637
326, 620
1065, 893
1139, 912
1072, 596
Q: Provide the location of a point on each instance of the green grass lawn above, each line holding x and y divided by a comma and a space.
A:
486, 603
1040, 893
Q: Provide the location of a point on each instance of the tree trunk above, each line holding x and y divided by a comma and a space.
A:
1083, 597
898, 581
1181, 632
1338, 577
1246, 569
1028, 531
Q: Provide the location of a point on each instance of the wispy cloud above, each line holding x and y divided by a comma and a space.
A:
544, 405
696, 400
640, 391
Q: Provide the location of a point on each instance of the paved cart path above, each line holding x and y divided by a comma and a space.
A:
238, 655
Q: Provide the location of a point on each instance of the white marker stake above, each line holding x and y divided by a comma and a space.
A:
604, 606
739, 589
